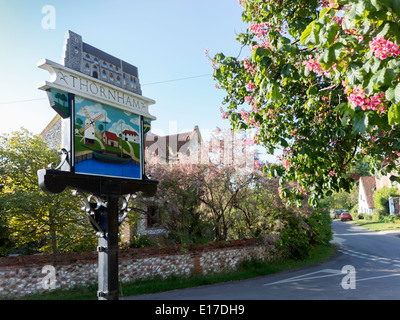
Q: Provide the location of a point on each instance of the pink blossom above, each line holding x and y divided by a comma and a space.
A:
225, 115
357, 96
251, 69
332, 4
302, 191
286, 163
264, 44
245, 116
313, 65
250, 86
249, 99
332, 173
259, 30
384, 48
375, 103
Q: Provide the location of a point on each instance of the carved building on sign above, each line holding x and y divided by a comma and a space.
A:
98, 64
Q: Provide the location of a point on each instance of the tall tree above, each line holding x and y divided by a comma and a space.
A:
321, 82
52, 222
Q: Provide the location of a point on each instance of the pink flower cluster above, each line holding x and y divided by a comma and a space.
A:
384, 48
264, 44
225, 115
250, 142
313, 65
259, 29
249, 68
358, 98
250, 85
246, 118
286, 163
261, 33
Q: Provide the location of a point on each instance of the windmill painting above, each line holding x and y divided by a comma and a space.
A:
106, 140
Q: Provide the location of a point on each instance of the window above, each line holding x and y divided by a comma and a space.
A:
95, 72
153, 217
111, 77
104, 74
87, 56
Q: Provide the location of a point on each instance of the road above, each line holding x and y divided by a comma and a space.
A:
366, 267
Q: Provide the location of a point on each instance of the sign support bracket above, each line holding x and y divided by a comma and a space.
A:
103, 214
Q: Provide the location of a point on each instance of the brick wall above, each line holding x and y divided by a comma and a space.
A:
23, 274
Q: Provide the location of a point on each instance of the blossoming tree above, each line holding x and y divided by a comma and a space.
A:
320, 81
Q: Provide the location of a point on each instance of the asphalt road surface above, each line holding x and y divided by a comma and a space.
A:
367, 267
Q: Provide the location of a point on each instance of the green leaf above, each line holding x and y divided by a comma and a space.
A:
306, 33
397, 94
384, 77
333, 29
361, 124
335, 51
394, 114
357, 11
324, 11
310, 34
353, 73
393, 94
275, 94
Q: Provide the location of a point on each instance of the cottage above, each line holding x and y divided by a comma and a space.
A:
367, 188
168, 147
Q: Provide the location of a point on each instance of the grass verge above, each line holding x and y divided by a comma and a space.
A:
378, 225
248, 269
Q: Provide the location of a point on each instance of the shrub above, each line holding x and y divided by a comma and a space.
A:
381, 200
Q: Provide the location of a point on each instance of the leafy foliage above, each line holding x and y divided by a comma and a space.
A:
228, 200
321, 83
47, 222
381, 199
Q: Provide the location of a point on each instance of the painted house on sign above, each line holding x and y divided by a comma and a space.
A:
130, 135
110, 139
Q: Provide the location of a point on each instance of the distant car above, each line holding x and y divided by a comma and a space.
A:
337, 213
345, 216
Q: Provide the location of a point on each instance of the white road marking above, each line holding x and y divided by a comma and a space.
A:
378, 277
308, 276
369, 257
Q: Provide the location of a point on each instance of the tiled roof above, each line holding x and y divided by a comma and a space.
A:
369, 185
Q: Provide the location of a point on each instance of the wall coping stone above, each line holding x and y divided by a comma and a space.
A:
129, 253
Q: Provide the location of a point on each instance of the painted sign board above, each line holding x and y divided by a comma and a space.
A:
103, 120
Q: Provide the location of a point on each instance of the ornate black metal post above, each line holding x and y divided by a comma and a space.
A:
108, 251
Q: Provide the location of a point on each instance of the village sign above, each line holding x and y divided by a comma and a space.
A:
104, 120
